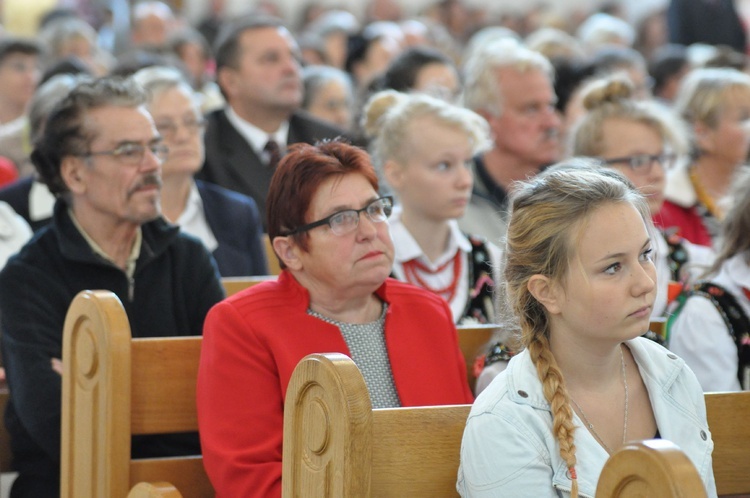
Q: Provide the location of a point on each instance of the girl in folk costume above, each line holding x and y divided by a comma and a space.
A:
423, 147
641, 140
710, 327
580, 282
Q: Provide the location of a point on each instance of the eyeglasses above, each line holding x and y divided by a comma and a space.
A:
347, 221
133, 154
20, 66
642, 163
168, 129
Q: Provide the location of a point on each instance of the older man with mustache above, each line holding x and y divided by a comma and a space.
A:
511, 87
100, 155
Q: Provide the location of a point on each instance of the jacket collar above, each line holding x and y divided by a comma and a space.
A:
300, 297
157, 237
484, 186
658, 375
524, 387
679, 188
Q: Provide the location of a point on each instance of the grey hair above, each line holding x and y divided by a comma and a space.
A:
481, 89
315, 77
66, 133
46, 97
158, 79
702, 94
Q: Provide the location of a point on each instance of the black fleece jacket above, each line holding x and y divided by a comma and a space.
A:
174, 285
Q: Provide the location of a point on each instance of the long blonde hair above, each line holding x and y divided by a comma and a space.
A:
545, 213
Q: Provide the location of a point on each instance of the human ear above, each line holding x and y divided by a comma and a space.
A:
226, 78
703, 136
394, 174
546, 292
288, 252
72, 174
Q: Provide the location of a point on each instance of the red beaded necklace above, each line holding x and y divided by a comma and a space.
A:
413, 267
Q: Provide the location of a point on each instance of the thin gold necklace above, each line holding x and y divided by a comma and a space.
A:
704, 197
625, 424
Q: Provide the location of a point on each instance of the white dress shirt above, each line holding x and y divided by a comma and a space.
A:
256, 137
700, 336
193, 220
407, 248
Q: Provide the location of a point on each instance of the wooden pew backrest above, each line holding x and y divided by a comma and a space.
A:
728, 415
114, 387
335, 444
5, 454
233, 285
653, 468
273, 261
473, 341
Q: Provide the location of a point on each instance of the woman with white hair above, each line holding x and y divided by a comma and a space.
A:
228, 223
715, 103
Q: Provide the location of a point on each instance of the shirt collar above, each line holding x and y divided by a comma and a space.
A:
485, 186
41, 201
407, 248
193, 220
256, 137
134, 252
679, 188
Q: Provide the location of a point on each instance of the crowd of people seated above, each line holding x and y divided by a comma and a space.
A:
565, 178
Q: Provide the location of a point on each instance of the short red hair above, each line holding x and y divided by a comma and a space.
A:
299, 174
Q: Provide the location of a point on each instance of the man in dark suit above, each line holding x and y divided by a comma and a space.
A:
258, 71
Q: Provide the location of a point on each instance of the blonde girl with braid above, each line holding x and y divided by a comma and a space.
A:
579, 285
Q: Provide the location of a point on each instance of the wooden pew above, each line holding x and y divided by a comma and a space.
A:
335, 444
728, 415
233, 285
655, 467
333, 438
5, 454
273, 261
473, 340
115, 386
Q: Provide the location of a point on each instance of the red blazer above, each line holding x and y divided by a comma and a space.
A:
688, 222
253, 340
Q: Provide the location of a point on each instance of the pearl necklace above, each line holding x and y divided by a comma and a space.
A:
625, 424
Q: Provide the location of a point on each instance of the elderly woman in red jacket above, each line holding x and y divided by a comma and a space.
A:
330, 232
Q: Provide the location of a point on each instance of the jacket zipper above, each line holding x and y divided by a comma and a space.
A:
131, 288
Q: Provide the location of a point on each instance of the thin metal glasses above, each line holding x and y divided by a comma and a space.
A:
346, 221
133, 153
642, 163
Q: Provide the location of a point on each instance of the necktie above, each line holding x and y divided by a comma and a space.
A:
273, 153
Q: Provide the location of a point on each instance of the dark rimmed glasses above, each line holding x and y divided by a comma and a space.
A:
642, 163
133, 153
346, 221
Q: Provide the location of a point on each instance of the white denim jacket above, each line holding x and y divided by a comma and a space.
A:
508, 449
